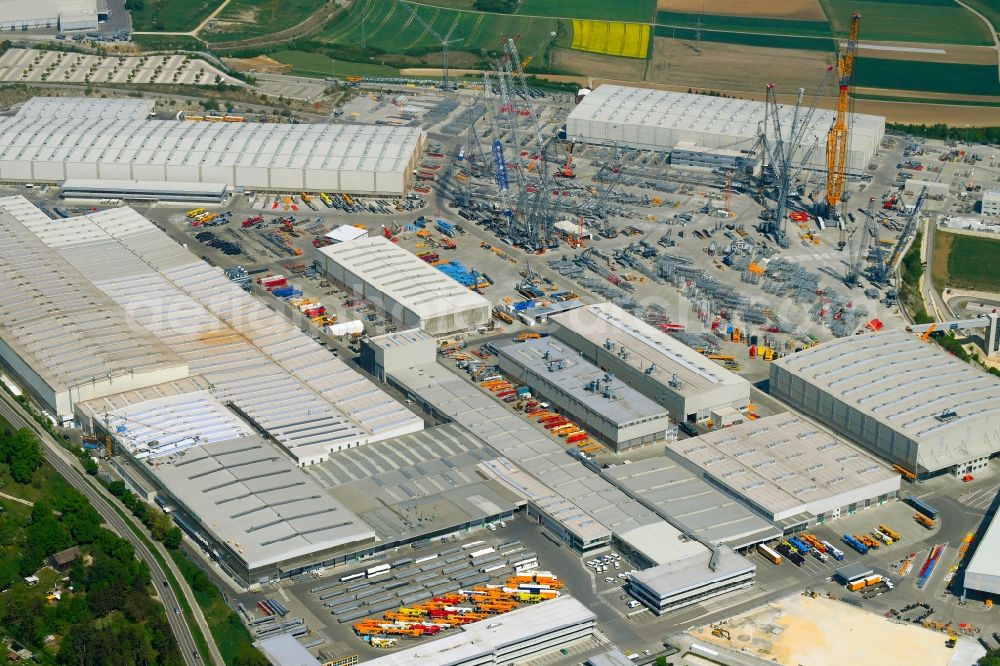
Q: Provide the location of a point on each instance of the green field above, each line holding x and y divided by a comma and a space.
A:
172, 15
749, 39
243, 19
942, 77
988, 8
637, 11
745, 24
390, 28
973, 261
928, 21
317, 64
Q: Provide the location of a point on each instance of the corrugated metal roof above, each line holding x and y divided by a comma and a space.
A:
300, 393
258, 501
644, 107
917, 389
404, 277
781, 462
91, 131
68, 331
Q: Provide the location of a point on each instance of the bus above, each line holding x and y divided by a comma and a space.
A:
350, 577
769, 553
921, 506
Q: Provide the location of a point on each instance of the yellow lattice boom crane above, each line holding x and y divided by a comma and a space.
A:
837, 140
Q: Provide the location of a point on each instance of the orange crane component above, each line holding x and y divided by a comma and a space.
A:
837, 139
927, 334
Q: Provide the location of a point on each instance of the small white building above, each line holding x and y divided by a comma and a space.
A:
991, 202
346, 232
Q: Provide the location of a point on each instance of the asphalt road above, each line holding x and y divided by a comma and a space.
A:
66, 466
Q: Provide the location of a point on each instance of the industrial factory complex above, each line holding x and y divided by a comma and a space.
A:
503, 376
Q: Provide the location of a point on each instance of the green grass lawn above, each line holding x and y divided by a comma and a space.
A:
172, 15
928, 76
317, 64
928, 21
390, 28
251, 18
749, 39
973, 261
745, 24
636, 11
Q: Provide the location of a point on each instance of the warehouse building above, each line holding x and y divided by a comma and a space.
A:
51, 14
690, 503
982, 574
56, 139
682, 583
910, 402
405, 288
690, 386
516, 637
63, 338
690, 154
211, 333
788, 470
659, 119
261, 516
991, 202
610, 410
144, 191
385, 354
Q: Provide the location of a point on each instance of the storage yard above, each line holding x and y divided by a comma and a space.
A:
496, 375
30, 65
804, 630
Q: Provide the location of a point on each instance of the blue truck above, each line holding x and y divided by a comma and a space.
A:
855, 544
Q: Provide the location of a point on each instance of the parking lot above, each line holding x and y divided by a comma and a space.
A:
33, 65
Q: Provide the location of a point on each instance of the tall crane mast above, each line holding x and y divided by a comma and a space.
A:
446, 41
837, 140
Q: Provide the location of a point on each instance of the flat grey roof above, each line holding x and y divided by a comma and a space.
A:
647, 346
67, 330
852, 571
907, 384
481, 639
692, 572
400, 338
258, 501
532, 465
563, 366
284, 650
416, 483
679, 495
781, 462
613, 657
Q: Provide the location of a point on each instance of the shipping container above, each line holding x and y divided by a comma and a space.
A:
769, 553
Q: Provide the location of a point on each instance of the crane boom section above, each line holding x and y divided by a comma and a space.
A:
837, 140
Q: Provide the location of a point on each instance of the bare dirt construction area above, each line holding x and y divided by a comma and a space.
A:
598, 66
261, 64
734, 67
823, 632
787, 9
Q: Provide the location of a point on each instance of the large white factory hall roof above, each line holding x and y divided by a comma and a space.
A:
950, 409
726, 118
307, 399
51, 140
69, 332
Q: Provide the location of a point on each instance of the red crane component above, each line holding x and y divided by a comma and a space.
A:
837, 139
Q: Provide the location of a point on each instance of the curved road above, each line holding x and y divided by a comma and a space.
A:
66, 465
